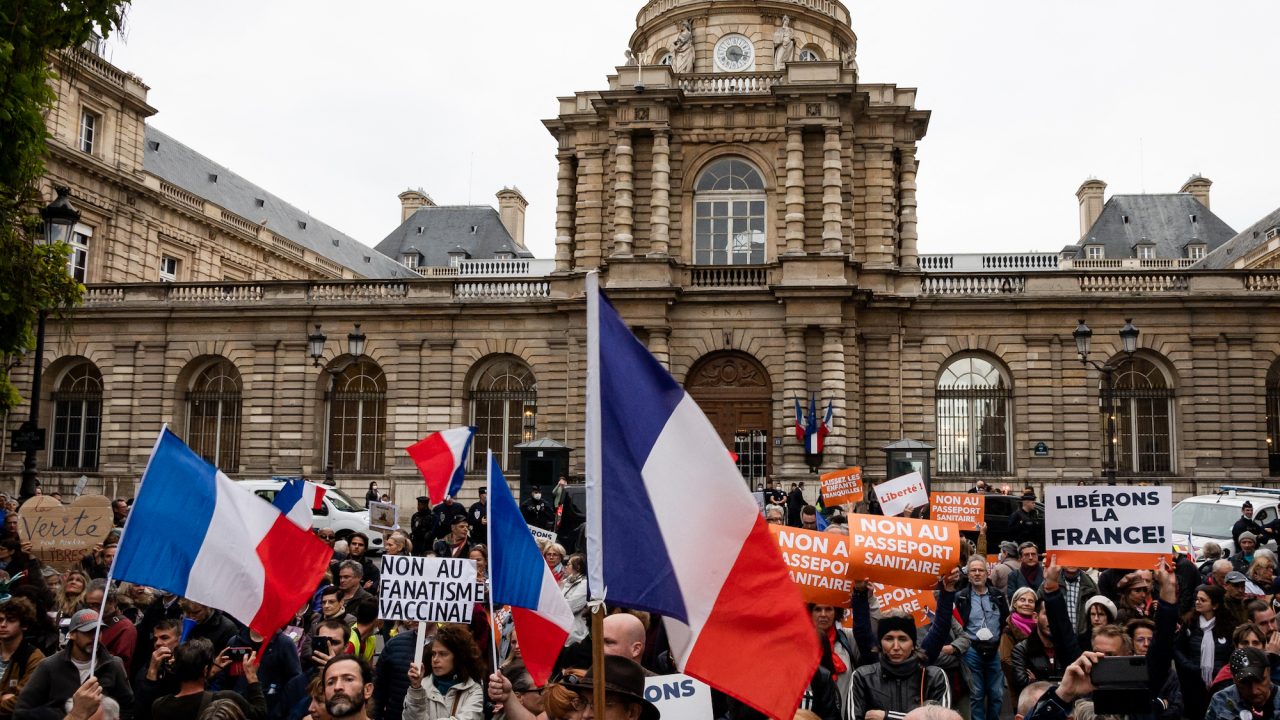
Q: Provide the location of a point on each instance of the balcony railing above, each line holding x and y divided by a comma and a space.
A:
502, 289
728, 83
981, 262
972, 284
747, 276
1133, 282
518, 267
1127, 264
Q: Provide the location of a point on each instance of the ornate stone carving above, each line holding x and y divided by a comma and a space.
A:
784, 44
728, 371
682, 49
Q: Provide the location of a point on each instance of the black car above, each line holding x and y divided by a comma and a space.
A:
998, 509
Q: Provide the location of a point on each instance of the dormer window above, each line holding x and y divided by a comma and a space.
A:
456, 256
1094, 252
410, 260
1196, 251
504, 255
1145, 252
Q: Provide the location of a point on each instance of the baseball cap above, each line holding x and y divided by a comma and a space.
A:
1235, 577
84, 621
1249, 664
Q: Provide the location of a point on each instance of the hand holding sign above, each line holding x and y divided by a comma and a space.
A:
901, 493
842, 486
902, 552
60, 535
1111, 527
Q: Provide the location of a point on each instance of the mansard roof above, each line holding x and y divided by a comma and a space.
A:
1239, 247
436, 230
1169, 222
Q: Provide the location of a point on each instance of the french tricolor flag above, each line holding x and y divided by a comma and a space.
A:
673, 529
520, 578
441, 458
195, 533
297, 499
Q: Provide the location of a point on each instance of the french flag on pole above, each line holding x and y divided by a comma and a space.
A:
441, 458
673, 529
297, 499
520, 578
195, 533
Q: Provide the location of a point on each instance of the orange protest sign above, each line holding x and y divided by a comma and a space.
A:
963, 509
902, 552
917, 603
842, 486
818, 562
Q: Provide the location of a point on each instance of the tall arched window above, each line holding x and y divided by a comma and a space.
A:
728, 209
1273, 419
973, 418
358, 418
1144, 418
504, 409
77, 419
213, 415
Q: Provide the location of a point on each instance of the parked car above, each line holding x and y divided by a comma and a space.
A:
998, 509
339, 513
1202, 518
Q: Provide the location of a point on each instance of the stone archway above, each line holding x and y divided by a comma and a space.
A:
734, 391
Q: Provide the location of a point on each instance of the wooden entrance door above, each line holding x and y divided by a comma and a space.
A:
734, 391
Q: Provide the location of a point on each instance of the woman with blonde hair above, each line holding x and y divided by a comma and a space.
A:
70, 597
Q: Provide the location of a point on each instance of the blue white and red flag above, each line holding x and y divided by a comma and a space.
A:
441, 458
297, 499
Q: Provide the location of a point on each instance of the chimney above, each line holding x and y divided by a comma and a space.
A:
1091, 195
1198, 187
411, 200
511, 205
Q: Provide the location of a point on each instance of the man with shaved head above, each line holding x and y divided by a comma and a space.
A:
624, 636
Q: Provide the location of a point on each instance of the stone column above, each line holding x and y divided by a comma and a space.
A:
117, 410
257, 410
588, 209
1247, 400
623, 201
295, 391
833, 390
660, 195
659, 345
795, 191
564, 213
793, 381
908, 257
832, 207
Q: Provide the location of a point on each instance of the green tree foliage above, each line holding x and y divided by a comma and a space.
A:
33, 276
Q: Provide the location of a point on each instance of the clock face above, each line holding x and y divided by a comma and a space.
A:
735, 53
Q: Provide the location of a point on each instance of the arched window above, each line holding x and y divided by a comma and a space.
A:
1273, 419
973, 418
358, 418
728, 213
1144, 418
213, 415
809, 55
664, 58
77, 419
504, 409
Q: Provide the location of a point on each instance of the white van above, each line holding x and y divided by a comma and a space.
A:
340, 513
1202, 518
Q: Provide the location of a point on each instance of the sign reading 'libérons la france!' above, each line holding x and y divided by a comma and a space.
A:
1108, 527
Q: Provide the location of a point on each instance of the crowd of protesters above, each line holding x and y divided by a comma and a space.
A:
1012, 629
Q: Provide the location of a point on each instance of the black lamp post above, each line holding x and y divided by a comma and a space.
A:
315, 350
60, 217
1129, 344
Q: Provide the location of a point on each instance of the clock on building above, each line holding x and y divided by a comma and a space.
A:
735, 53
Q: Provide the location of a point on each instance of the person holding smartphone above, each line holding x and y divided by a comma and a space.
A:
193, 662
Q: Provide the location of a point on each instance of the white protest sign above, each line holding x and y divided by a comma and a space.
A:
896, 494
382, 516
679, 697
1108, 527
427, 589
540, 534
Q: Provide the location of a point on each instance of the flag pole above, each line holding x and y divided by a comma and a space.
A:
488, 579
595, 517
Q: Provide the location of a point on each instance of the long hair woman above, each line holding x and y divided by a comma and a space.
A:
1202, 647
453, 687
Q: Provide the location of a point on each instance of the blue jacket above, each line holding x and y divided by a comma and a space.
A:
1225, 704
392, 676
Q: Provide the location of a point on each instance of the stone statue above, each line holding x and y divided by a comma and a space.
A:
850, 60
630, 58
682, 49
784, 44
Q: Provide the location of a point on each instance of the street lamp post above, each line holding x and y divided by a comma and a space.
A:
1129, 344
316, 342
60, 217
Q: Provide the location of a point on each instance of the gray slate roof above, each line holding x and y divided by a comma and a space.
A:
176, 163
1241, 245
435, 230
1164, 220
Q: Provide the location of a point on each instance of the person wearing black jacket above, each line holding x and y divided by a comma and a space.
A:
983, 611
422, 527
1246, 523
392, 674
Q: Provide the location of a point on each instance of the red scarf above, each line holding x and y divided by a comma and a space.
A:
836, 662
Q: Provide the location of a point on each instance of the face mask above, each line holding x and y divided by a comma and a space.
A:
537, 496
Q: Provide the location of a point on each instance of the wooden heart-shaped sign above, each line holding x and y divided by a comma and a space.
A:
60, 535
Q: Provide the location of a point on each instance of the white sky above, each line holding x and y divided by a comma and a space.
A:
337, 106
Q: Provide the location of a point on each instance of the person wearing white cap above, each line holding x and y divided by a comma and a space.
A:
59, 676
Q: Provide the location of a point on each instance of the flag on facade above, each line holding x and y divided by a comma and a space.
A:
673, 528
195, 533
297, 499
441, 458
519, 577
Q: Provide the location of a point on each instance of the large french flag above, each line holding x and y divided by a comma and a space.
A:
519, 577
297, 499
441, 458
673, 529
195, 533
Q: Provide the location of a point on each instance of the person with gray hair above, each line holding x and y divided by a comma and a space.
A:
932, 712
88, 703
350, 576
1029, 696
1006, 564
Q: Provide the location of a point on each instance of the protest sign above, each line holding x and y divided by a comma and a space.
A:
60, 535
759, 498
1108, 527
679, 697
896, 494
540, 534
382, 516
963, 509
842, 486
427, 589
818, 562
902, 552
919, 604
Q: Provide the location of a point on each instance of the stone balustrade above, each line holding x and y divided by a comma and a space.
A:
972, 284
729, 83
747, 276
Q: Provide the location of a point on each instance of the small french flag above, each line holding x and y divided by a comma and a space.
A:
297, 499
441, 458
